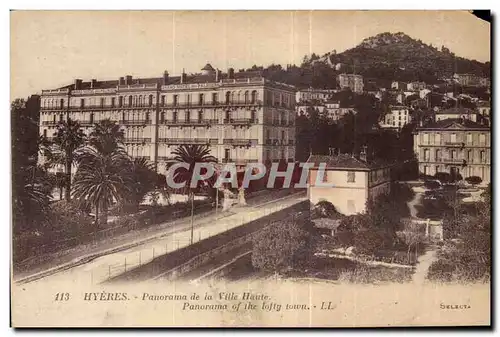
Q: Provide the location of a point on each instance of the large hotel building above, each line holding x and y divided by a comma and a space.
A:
242, 116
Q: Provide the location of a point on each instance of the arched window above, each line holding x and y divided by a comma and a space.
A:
254, 97
200, 116
438, 155
92, 118
123, 117
130, 101
150, 100
469, 156
54, 119
120, 101
45, 133
228, 115
246, 97
228, 97
147, 117
233, 95
482, 156
61, 103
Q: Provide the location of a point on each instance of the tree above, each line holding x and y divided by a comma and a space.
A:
143, 172
191, 154
59, 181
68, 138
31, 186
106, 136
282, 246
101, 179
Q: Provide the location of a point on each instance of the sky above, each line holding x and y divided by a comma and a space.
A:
50, 49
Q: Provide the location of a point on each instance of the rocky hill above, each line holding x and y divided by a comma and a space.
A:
384, 57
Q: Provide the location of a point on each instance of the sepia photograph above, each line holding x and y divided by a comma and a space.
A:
307, 168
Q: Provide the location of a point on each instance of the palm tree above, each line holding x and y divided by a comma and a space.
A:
68, 138
144, 174
106, 136
31, 194
191, 154
101, 179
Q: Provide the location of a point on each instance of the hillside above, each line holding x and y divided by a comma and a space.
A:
384, 57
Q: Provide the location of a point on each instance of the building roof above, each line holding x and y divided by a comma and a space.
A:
346, 162
208, 67
454, 124
455, 111
194, 78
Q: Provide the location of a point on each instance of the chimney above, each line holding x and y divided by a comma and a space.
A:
78, 84
183, 77
217, 75
230, 73
363, 154
128, 80
93, 83
122, 81
165, 77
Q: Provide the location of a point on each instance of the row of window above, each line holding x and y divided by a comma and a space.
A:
141, 101
453, 154
453, 138
187, 114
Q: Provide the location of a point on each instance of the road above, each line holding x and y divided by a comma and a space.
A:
101, 268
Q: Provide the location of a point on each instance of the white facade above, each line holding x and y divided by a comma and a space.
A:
352, 188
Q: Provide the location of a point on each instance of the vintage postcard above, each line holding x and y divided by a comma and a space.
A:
250, 169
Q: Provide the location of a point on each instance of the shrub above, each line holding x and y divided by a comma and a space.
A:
441, 270
281, 247
325, 209
474, 180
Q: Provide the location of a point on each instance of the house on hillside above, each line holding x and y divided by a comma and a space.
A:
457, 113
396, 118
352, 181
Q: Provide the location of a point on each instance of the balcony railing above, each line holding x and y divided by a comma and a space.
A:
240, 142
193, 122
239, 161
189, 141
137, 140
50, 122
241, 121
454, 161
136, 122
188, 105
454, 144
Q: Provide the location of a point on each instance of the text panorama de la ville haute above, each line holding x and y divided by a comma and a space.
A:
232, 301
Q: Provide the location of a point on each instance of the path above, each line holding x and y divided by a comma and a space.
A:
417, 199
423, 264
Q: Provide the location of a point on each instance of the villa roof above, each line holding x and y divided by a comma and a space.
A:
454, 124
346, 162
